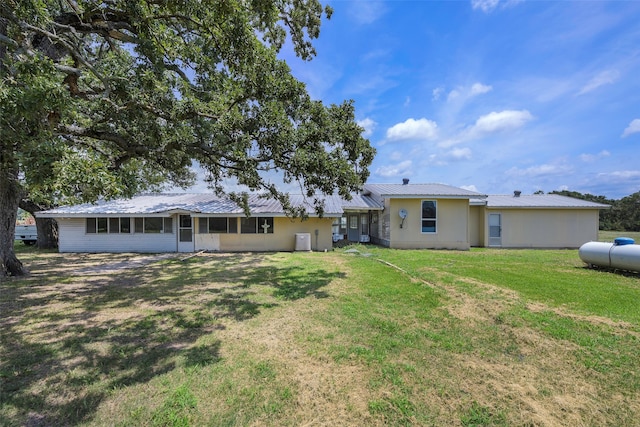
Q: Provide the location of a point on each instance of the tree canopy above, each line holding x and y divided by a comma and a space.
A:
110, 98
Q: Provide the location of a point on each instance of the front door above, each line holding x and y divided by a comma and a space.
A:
185, 234
495, 229
353, 228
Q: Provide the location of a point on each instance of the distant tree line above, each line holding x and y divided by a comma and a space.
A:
624, 214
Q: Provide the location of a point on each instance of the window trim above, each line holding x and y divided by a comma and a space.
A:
434, 218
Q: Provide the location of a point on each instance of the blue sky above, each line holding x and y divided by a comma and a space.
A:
489, 95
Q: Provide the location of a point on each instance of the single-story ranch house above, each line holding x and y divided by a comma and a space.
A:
408, 216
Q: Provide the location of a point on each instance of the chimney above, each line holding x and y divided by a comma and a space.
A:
405, 181
517, 193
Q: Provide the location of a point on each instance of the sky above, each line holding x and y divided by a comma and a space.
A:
488, 95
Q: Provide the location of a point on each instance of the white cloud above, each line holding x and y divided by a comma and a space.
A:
479, 88
634, 127
402, 168
464, 93
493, 122
369, 126
620, 176
489, 5
453, 95
437, 92
485, 5
604, 78
413, 129
504, 120
469, 187
590, 158
539, 170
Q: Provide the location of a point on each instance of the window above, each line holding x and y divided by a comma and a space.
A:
102, 225
114, 225
108, 225
233, 225
217, 225
256, 225
153, 225
429, 216
186, 232
339, 225
364, 226
265, 225
353, 222
248, 225
125, 225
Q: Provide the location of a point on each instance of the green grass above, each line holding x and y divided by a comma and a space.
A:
609, 236
484, 337
555, 277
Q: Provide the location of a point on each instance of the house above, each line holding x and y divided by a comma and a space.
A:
443, 217
433, 216
404, 216
193, 222
533, 221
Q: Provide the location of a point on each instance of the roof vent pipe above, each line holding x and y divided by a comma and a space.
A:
517, 193
405, 181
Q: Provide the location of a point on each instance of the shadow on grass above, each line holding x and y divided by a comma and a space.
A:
67, 343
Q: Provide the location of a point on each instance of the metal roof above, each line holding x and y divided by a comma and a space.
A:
150, 204
541, 201
421, 190
360, 201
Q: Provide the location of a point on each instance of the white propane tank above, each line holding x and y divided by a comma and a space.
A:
622, 254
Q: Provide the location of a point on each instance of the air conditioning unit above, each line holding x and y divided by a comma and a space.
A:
303, 241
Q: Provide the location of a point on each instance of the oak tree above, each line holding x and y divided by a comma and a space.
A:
102, 99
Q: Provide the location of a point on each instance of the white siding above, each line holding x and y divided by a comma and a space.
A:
74, 238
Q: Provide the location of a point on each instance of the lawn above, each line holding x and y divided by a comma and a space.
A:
609, 236
366, 337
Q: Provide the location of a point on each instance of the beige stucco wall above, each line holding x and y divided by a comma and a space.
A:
282, 239
452, 225
545, 228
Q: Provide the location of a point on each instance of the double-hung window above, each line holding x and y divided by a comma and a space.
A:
429, 216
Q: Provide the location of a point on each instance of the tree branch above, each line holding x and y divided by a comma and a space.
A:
72, 51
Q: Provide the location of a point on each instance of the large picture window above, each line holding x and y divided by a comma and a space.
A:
217, 225
256, 225
429, 216
108, 225
153, 225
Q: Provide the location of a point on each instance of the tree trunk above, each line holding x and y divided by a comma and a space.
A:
47, 227
47, 233
9, 196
